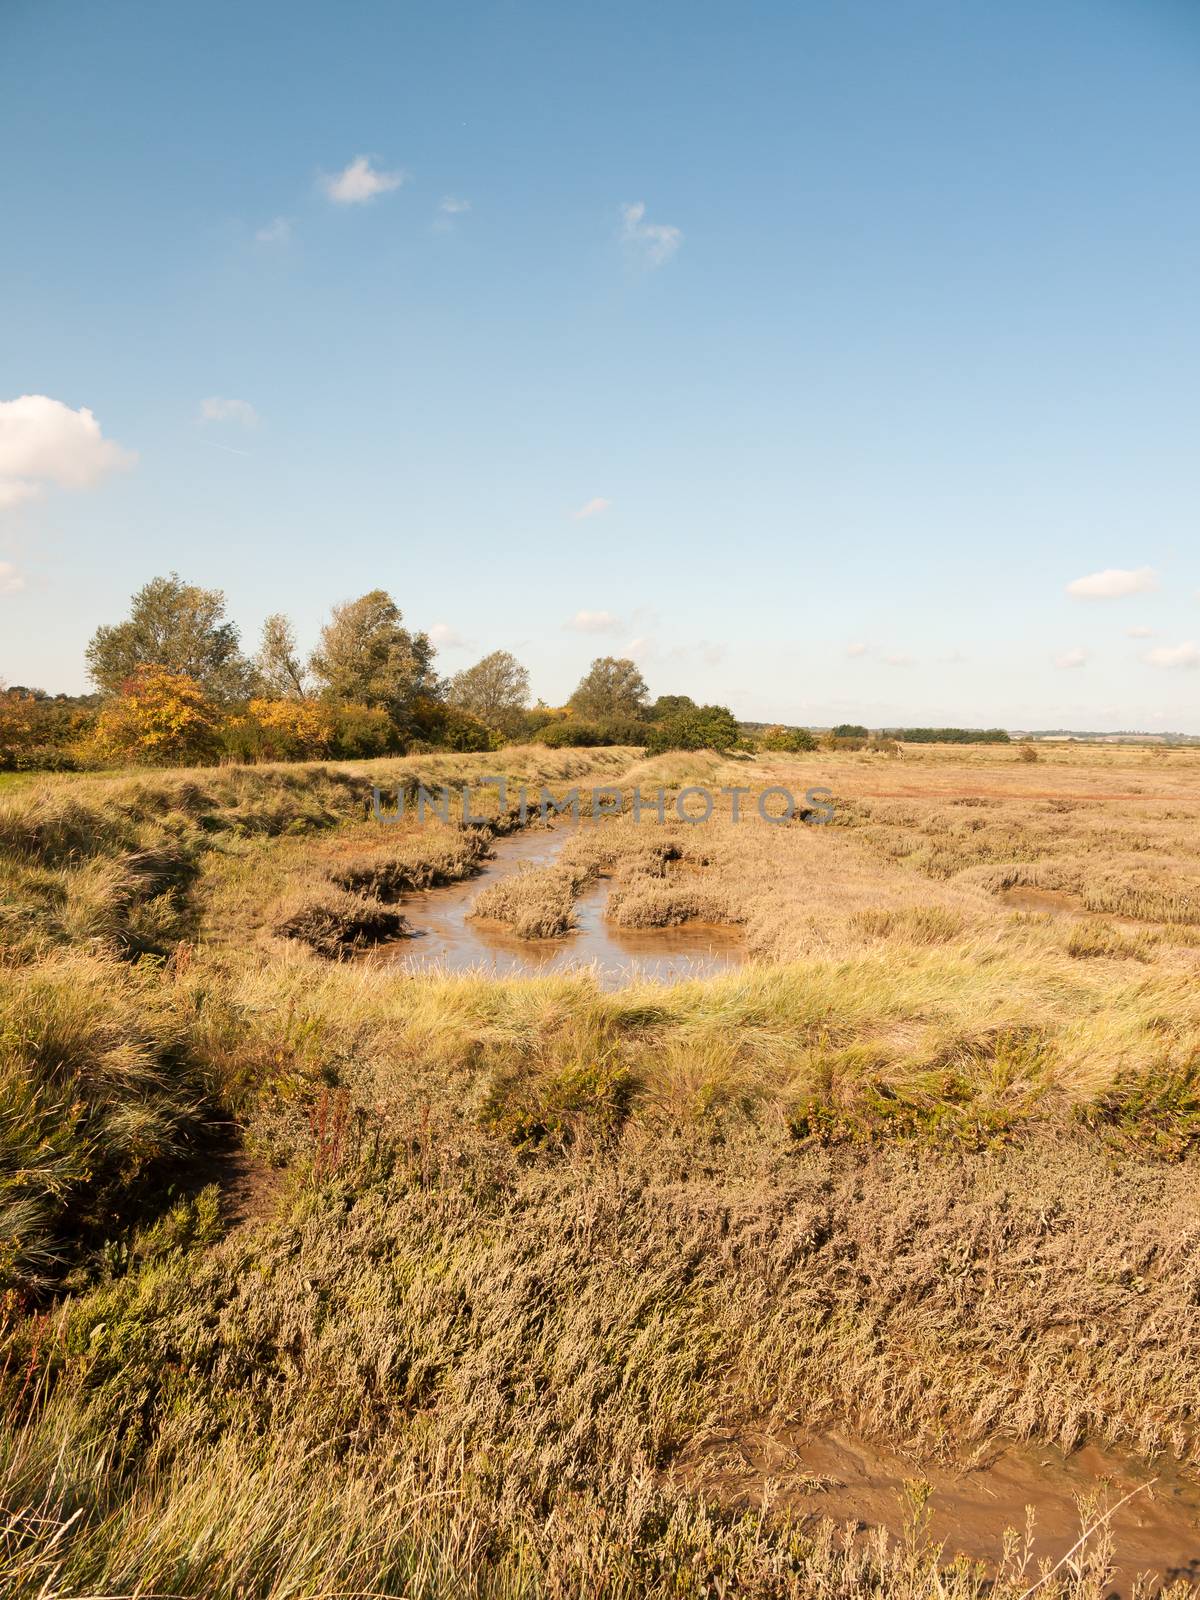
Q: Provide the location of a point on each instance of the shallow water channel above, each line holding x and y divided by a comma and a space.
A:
447, 938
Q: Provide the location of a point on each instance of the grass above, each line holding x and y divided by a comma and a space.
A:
924, 1167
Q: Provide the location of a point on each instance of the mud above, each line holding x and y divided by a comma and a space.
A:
446, 937
856, 1481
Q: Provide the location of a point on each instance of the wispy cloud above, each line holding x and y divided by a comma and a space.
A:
591, 508
594, 622
229, 450
1071, 658
1139, 633
446, 637
1174, 655
1113, 583
11, 581
450, 209
42, 441
855, 651
277, 231
656, 242
900, 659
217, 409
359, 182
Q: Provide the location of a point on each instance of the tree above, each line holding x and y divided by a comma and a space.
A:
702, 728
178, 628
161, 718
496, 690
612, 687
280, 670
849, 730
365, 655
669, 705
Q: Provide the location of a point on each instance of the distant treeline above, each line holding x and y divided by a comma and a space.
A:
949, 735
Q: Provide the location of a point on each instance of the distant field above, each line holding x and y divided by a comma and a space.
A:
457, 1286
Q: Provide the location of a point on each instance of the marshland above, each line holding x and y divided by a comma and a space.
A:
804, 1274
786, 411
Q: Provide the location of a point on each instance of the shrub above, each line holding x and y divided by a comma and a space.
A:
464, 732
40, 733
360, 732
292, 730
621, 730
787, 740
705, 728
564, 735
160, 718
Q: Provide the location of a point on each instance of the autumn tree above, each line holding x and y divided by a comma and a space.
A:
612, 687
367, 656
178, 628
281, 672
160, 718
495, 690
291, 729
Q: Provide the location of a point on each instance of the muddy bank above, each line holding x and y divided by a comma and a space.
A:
1156, 1531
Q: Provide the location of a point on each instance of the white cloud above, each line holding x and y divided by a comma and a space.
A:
1174, 655
856, 650
16, 490
446, 637
1139, 633
594, 622
1071, 658
43, 441
216, 409
643, 649
657, 241
1113, 582
900, 660
592, 508
11, 581
277, 231
359, 182
452, 206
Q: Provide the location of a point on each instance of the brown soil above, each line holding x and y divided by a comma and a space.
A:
250, 1187
852, 1480
1025, 898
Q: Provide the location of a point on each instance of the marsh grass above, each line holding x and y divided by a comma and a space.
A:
923, 1165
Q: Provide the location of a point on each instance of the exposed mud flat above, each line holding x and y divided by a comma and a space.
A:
446, 937
832, 1474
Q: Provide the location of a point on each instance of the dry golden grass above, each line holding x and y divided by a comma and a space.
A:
924, 1167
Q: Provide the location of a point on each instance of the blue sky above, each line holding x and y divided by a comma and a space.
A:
859, 330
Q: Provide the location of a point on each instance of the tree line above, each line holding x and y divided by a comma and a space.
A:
175, 686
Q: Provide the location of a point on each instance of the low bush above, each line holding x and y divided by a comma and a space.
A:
786, 740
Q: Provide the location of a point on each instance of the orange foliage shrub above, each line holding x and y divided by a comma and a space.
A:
292, 730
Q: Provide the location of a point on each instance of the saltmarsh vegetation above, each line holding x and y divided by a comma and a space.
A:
923, 1168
